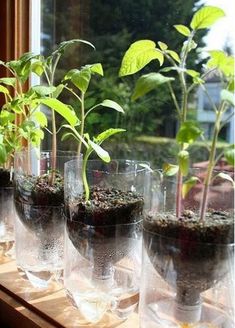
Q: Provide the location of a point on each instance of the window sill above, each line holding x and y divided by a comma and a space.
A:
21, 305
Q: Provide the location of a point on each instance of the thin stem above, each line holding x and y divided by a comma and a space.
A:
173, 96
193, 85
209, 98
178, 195
84, 176
211, 162
54, 136
82, 123
71, 90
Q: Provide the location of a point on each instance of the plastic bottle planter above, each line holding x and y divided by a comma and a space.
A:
187, 277
39, 202
7, 214
103, 237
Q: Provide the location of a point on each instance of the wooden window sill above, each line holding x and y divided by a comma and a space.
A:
21, 305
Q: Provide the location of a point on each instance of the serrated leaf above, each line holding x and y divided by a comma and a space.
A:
138, 56
103, 154
58, 91
162, 45
40, 118
61, 109
182, 29
230, 155
170, 169
225, 176
227, 96
183, 160
205, 17
4, 90
174, 55
220, 60
188, 132
188, 185
106, 134
192, 72
148, 82
81, 79
112, 104
97, 68
70, 73
42, 90
8, 81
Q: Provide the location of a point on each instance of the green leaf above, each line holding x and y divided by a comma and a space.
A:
188, 185
188, 132
148, 82
230, 155
174, 55
106, 134
8, 81
103, 154
205, 17
70, 73
183, 160
6, 117
61, 109
112, 104
192, 73
163, 46
227, 96
81, 79
65, 44
97, 68
40, 118
4, 90
182, 29
42, 90
3, 154
225, 177
138, 56
190, 45
170, 169
38, 68
58, 91
220, 60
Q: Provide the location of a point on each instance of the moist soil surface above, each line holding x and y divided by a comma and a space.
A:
39, 203
5, 178
105, 225
190, 255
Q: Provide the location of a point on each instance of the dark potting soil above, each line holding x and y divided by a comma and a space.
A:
39, 191
5, 178
38, 203
106, 225
191, 255
108, 207
217, 228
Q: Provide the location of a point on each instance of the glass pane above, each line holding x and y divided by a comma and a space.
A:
112, 25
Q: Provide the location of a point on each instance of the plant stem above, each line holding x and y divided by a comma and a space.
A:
54, 137
183, 118
211, 162
84, 177
82, 123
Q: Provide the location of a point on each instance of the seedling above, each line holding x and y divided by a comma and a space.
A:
142, 52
